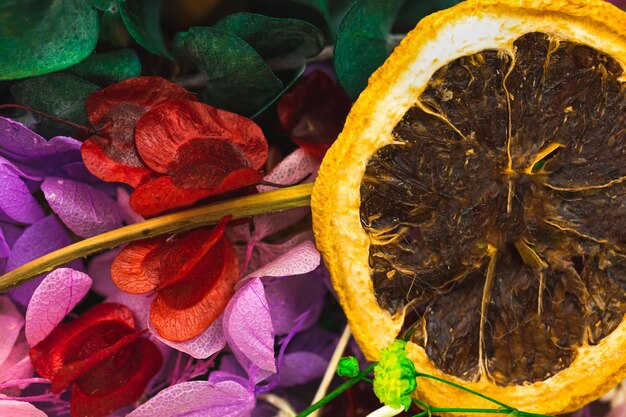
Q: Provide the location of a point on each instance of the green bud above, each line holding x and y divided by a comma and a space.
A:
348, 367
394, 376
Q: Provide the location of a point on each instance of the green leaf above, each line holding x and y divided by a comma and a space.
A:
143, 21
314, 12
289, 79
105, 5
414, 10
362, 42
59, 94
274, 37
109, 67
238, 79
42, 36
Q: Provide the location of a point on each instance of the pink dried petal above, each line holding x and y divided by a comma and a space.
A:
59, 292
19, 409
204, 345
268, 224
292, 169
264, 253
123, 199
139, 304
99, 269
299, 260
248, 330
11, 322
17, 365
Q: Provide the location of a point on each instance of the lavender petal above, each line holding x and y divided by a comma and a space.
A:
16, 201
11, 323
301, 367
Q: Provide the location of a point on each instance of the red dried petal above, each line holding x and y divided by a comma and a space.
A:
114, 112
133, 270
71, 371
107, 388
148, 264
162, 131
161, 194
313, 113
100, 165
100, 326
179, 313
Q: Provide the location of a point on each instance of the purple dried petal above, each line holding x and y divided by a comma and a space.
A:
38, 239
299, 260
99, 269
11, 322
17, 365
289, 298
86, 210
301, 367
249, 332
11, 232
123, 200
268, 224
230, 365
16, 201
19, 409
216, 377
199, 399
5, 250
207, 343
59, 292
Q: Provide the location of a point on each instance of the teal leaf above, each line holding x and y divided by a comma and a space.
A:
274, 37
105, 5
238, 79
109, 67
42, 36
362, 42
143, 21
60, 94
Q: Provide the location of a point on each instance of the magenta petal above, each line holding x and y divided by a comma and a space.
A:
139, 304
301, 367
16, 201
37, 240
11, 322
199, 399
289, 298
59, 292
86, 210
99, 269
299, 260
207, 343
19, 409
249, 332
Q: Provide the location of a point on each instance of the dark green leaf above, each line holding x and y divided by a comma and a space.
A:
314, 12
109, 67
143, 21
274, 37
414, 10
42, 36
362, 42
238, 79
289, 78
59, 94
112, 29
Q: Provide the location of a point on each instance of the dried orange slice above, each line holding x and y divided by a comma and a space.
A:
477, 198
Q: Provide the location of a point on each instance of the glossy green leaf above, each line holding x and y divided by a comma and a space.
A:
363, 42
60, 94
42, 36
314, 12
238, 79
105, 5
274, 37
109, 67
143, 21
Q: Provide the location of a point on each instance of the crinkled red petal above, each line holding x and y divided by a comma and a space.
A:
114, 112
161, 194
134, 270
149, 264
314, 112
69, 372
178, 313
105, 168
142, 91
107, 388
162, 131
100, 326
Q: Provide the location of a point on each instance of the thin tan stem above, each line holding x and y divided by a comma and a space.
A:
286, 198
